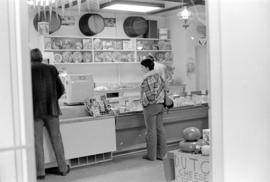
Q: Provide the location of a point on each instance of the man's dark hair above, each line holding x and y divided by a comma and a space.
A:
150, 57
148, 63
36, 55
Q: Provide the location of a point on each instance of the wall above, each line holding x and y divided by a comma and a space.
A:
240, 77
184, 42
127, 72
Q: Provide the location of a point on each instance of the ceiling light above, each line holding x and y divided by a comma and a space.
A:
184, 15
142, 7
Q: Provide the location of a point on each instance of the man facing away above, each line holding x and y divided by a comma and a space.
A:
159, 68
47, 88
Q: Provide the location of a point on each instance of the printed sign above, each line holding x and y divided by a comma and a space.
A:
43, 28
191, 167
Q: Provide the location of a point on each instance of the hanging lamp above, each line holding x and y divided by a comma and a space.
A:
184, 15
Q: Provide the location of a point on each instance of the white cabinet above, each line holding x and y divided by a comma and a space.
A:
84, 137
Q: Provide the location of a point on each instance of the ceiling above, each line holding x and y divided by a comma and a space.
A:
170, 5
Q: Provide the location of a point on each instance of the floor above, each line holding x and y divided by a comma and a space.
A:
131, 168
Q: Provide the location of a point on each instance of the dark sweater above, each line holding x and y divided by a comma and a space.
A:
47, 89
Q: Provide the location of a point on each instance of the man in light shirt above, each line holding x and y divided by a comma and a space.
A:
160, 68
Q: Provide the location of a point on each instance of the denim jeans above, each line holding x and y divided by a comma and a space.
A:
52, 126
155, 131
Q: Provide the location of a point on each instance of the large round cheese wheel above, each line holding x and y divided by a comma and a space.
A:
91, 24
186, 146
192, 134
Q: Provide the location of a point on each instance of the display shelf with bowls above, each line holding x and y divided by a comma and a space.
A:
96, 50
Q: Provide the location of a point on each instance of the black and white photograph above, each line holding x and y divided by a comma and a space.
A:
135, 91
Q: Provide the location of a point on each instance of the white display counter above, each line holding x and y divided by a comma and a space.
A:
86, 140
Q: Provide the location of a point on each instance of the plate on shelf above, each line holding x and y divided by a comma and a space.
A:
77, 57
97, 44
87, 44
116, 56
58, 58
67, 57
56, 43
78, 45
67, 44
127, 45
87, 57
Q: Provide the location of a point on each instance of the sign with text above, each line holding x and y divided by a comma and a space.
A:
191, 167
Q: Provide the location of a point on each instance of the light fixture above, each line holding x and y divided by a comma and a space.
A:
184, 15
142, 7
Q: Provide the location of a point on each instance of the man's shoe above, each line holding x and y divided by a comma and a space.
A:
65, 173
160, 158
147, 158
41, 177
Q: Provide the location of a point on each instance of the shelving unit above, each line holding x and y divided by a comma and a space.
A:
71, 50
154, 50
97, 50
101, 50
96, 63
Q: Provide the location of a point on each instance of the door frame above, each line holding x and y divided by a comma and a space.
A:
214, 57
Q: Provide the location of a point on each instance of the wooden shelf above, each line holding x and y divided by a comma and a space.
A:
96, 63
87, 50
113, 50
151, 39
153, 50
112, 38
68, 50
131, 48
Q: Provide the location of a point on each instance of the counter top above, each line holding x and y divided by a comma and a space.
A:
78, 113
85, 118
172, 109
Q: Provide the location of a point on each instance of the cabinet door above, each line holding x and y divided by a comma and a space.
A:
88, 137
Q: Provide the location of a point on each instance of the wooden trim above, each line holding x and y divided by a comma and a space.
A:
136, 119
142, 148
214, 29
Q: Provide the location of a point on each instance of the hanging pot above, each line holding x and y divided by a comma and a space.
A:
135, 26
91, 24
54, 22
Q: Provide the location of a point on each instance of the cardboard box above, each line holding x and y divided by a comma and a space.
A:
188, 167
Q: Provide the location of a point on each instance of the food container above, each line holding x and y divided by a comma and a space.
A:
163, 33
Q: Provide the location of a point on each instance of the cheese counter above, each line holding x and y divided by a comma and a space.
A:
130, 127
89, 140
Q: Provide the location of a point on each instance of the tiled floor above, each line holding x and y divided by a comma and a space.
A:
130, 168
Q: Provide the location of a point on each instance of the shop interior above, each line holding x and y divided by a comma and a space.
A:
237, 109
97, 52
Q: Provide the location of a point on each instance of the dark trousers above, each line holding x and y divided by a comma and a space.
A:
52, 126
155, 136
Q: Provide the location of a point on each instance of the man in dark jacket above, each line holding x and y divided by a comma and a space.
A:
47, 89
